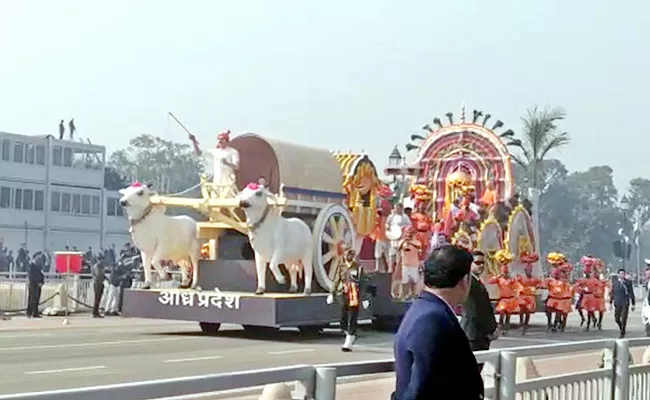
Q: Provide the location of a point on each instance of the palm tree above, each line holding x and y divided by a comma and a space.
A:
540, 136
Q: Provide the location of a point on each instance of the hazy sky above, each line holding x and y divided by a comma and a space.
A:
333, 74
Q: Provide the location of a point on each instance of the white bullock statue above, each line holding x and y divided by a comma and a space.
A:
276, 240
161, 237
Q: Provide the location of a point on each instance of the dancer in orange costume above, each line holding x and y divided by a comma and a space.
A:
507, 303
526, 294
599, 288
586, 287
557, 284
559, 299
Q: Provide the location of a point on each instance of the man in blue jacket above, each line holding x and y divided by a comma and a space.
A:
433, 358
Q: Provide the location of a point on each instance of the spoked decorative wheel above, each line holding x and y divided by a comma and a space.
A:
333, 233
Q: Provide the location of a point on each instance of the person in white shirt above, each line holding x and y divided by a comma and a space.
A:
645, 310
396, 218
226, 164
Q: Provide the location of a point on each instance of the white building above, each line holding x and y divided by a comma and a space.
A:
52, 195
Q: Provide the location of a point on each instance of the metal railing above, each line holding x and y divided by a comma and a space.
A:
617, 380
14, 290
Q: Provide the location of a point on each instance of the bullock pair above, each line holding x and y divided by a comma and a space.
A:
275, 240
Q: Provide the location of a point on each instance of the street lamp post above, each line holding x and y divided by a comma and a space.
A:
625, 206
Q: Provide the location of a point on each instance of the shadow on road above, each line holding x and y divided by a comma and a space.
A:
288, 335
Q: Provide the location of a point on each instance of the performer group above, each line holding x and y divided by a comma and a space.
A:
405, 237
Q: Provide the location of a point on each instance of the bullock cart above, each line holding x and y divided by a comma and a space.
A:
334, 193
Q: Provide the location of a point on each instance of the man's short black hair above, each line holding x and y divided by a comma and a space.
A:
478, 253
621, 270
447, 266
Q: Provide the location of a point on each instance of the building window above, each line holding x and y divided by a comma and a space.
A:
65, 202
28, 199
111, 205
85, 204
6, 150
40, 154
18, 199
79, 159
97, 161
19, 150
57, 155
76, 204
30, 153
67, 157
39, 200
5, 197
119, 209
56, 201
95, 205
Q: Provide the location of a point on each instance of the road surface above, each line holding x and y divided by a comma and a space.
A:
45, 355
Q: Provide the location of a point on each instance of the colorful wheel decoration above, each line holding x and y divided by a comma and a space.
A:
333, 232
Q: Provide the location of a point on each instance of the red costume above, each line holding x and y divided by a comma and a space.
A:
423, 235
528, 286
599, 295
508, 286
593, 285
560, 292
587, 287
527, 293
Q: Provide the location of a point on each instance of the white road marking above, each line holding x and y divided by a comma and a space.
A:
56, 371
179, 360
295, 351
89, 344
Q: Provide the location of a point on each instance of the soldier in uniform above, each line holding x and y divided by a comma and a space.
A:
350, 290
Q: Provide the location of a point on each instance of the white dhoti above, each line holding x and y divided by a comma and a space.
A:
112, 299
224, 176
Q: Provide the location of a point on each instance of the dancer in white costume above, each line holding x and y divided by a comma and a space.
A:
226, 164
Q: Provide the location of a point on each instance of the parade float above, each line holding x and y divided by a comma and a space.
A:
466, 166
333, 193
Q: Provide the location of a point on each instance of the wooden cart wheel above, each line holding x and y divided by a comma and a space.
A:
333, 232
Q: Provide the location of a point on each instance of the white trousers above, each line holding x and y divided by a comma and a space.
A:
112, 298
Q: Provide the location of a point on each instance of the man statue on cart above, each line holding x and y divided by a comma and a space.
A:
351, 290
226, 164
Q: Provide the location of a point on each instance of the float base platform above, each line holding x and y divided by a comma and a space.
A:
235, 303
270, 309
248, 309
